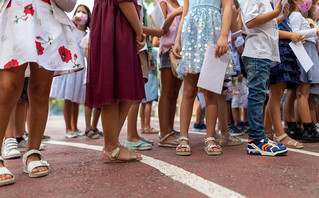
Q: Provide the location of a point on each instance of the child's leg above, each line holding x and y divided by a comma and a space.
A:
39, 91
88, 115
11, 84
236, 115
312, 108
11, 125
132, 134
198, 114
189, 94
302, 102
165, 103
257, 76
142, 116
96, 116
267, 123
211, 112
289, 104
172, 108
113, 117
20, 119
222, 115
67, 109
74, 116
148, 112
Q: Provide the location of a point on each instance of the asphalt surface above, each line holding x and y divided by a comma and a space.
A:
77, 170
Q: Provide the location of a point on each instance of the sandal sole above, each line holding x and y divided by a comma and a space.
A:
7, 182
167, 145
121, 161
140, 149
183, 153
41, 174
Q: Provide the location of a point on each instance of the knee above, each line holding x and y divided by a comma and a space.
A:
10, 91
39, 92
189, 92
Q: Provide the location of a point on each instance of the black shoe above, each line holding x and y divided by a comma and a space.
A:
294, 130
310, 133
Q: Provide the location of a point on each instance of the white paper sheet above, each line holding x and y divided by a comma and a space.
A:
201, 99
181, 2
213, 71
158, 16
283, 5
302, 55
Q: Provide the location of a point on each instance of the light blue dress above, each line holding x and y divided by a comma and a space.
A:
202, 25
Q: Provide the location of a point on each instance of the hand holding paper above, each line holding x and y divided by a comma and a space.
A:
302, 55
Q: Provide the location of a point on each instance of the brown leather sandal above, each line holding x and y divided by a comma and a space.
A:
163, 143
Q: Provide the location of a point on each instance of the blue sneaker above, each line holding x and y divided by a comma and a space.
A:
236, 130
197, 127
266, 147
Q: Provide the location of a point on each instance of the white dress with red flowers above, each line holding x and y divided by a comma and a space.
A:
71, 87
31, 32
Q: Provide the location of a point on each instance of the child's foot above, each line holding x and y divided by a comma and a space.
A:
120, 154
265, 147
211, 146
287, 141
6, 176
183, 147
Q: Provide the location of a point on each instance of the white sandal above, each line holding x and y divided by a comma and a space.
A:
210, 146
27, 168
5, 171
185, 146
291, 143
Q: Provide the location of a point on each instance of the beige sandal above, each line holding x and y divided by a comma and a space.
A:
290, 144
210, 146
229, 141
113, 156
27, 168
162, 142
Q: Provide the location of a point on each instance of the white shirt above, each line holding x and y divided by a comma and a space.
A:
299, 24
261, 41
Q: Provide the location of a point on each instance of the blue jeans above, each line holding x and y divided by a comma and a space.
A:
257, 77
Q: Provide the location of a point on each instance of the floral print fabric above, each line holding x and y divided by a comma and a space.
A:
29, 32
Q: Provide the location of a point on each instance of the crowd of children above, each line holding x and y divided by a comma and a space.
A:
122, 73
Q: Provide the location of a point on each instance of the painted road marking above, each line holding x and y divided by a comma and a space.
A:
208, 188
289, 149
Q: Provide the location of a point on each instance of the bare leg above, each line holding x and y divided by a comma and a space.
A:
74, 116
222, 114
164, 104
189, 94
113, 117
11, 84
88, 115
142, 116
236, 115
198, 114
148, 112
11, 125
132, 134
96, 116
172, 109
267, 122
67, 109
20, 119
39, 91
211, 112
303, 106
289, 104
312, 108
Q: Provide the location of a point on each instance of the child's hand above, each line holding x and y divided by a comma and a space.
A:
286, 10
178, 11
221, 46
76, 20
159, 32
296, 37
177, 50
278, 7
140, 41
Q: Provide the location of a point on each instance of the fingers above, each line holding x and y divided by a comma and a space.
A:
220, 50
176, 52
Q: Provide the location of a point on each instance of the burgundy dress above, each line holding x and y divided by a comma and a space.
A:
114, 71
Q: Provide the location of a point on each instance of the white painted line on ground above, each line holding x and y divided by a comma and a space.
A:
289, 149
208, 188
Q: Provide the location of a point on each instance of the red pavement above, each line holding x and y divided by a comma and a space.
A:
77, 172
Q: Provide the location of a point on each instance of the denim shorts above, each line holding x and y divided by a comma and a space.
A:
165, 61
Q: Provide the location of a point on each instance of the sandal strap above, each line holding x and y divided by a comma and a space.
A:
281, 137
113, 154
210, 139
5, 171
27, 154
1, 159
162, 139
180, 146
181, 138
292, 142
35, 164
210, 146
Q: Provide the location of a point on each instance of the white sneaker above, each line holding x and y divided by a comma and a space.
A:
10, 149
71, 134
22, 146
